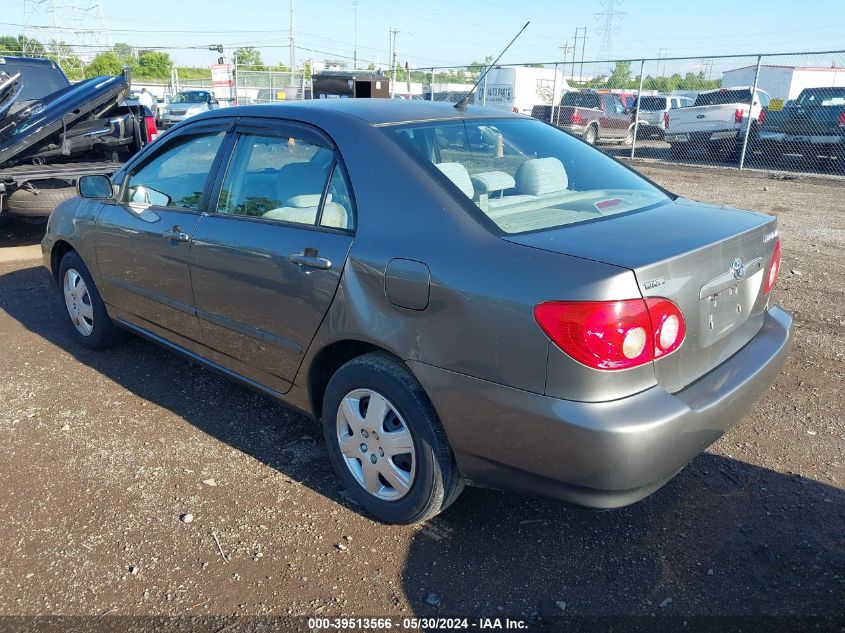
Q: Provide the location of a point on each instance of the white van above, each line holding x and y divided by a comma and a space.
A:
520, 88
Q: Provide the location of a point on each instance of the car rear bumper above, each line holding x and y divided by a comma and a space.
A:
601, 455
576, 130
701, 138
799, 144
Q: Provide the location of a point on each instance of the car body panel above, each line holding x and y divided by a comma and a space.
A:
517, 411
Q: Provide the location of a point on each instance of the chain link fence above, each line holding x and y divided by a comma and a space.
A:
268, 86
781, 111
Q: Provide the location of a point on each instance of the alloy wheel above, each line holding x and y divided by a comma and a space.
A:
376, 444
78, 302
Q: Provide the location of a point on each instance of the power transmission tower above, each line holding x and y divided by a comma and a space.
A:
608, 30
662, 54
79, 30
582, 32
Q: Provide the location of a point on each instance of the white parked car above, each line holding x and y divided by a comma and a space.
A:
188, 103
716, 121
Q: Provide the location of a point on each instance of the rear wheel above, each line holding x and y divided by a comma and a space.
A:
629, 137
590, 135
92, 326
386, 443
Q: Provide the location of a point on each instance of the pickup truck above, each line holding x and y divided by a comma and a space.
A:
52, 132
593, 116
716, 122
653, 113
813, 126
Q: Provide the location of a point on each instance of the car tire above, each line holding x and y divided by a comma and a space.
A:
395, 488
92, 326
679, 151
27, 203
590, 135
629, 137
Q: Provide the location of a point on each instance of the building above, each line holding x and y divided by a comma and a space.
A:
785, 82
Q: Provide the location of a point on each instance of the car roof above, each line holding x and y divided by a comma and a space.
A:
29, 61
373, 111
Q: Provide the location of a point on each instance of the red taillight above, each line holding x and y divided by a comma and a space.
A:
761, 118
576, 119
774, 268
738, 114
665, 120
150, 127
613, 334
842, 119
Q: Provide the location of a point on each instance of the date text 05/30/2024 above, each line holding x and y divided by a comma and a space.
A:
384, 624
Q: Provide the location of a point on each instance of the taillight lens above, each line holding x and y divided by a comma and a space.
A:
150, 126
612, 335
738, 114
842, 119
665, 120
761, 118
774, 269
575, 118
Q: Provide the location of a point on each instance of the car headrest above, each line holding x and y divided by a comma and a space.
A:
459, 175
541, 176
490, 181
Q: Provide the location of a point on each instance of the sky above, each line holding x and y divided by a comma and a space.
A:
448, 32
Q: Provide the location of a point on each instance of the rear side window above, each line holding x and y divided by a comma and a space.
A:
524, 175
822, 97
581, 100
288, 179
177, 175
652, 104
722, 97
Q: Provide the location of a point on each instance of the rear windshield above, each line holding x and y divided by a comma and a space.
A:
524, 175
581, 100
189, 97
822, 97
721, 97
651, 104
39, 80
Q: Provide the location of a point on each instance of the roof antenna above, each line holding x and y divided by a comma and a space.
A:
462, 104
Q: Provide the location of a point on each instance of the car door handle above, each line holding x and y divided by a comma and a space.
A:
310, 258
176, 234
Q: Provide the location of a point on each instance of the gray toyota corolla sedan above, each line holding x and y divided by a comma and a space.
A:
456, 295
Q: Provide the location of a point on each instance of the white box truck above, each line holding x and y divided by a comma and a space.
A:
520, 88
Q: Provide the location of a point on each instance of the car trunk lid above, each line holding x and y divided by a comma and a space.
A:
711, 261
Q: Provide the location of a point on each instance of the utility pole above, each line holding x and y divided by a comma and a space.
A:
393, 34
292, 53
565, 50
355, 36
583, 29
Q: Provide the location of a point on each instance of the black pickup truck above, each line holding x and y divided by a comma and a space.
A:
52, 132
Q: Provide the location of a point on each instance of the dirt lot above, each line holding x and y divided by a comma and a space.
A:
104, 452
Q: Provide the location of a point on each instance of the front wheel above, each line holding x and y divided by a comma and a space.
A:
92, 325
386, 443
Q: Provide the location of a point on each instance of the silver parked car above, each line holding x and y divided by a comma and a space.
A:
653, 113
187, 103
455, 295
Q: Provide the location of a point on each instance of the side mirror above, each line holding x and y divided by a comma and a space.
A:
95, 187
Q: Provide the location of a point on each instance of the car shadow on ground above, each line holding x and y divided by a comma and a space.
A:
723, 537
20, 232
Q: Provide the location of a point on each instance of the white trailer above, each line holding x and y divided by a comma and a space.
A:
785, 82
520, 88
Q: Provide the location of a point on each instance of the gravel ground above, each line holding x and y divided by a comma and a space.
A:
106, 453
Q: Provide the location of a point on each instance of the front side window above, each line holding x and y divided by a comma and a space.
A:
525, 175
176, 175
284, 178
